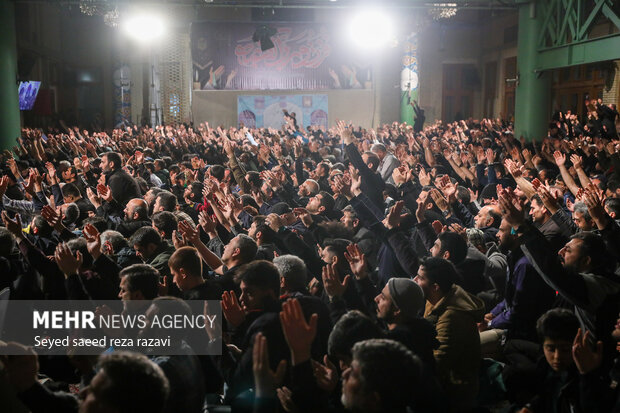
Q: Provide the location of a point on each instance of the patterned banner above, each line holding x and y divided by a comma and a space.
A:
267, 111
305, 56
409, 84
122, 94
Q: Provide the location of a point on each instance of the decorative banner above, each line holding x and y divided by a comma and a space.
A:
409, 84
261, 111
122, 94
305, 56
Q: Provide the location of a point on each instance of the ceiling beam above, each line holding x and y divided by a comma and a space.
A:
303, 4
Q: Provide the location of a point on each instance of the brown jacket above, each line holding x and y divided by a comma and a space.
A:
455, 318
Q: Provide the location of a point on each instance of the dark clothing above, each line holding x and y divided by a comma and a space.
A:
123, 186
159, 259
314, 305
184, 373
85, 207
527, 297
554, 234
419, 336
595, 296
471, 270
267, 322
40, 399
127, 256
467, 218
567, 391
368, 244
226, 281
372, 183
209, 290
266, 252
418, 123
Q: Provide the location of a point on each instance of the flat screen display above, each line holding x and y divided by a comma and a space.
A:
28, 94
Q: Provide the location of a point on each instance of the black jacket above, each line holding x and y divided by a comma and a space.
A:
123, 186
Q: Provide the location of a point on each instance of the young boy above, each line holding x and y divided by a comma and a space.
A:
555, 388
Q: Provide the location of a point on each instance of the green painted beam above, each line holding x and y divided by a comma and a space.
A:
533, 89
10, 128
579, 53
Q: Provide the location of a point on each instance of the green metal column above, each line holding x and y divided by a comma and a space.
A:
532, 106
9, 104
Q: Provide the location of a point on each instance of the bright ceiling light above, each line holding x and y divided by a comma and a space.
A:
145, 28
371, 29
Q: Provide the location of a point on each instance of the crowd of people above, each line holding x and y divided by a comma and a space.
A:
451, 268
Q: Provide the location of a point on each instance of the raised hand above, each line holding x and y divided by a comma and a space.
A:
586, 358
93, 240
331, 283
265, 380
448, 188
345, 132
285, 395
275, 222
326, 374
207, 224
68, 263
458, 229
189, 233
547, 198
304, 215
93, 198
231, 309
393, 218
424, 177
104, 192
577, 161
357, 261
343, 185
560, 158
356, 181
299, 334
490, 156
594, 202
53, 218
4, 184
508, 205
515, 154
513, 168
419, 213
440, 201
178, 240
401, 174
29, 184
14, 226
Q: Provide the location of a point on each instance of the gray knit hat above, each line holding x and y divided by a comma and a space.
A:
407, 295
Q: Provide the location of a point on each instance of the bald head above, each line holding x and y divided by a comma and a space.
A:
489, 216
136, 210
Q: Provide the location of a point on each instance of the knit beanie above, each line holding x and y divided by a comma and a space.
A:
407, 295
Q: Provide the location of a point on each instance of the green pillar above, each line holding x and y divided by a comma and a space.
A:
409, 84
532, 105
9, 103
